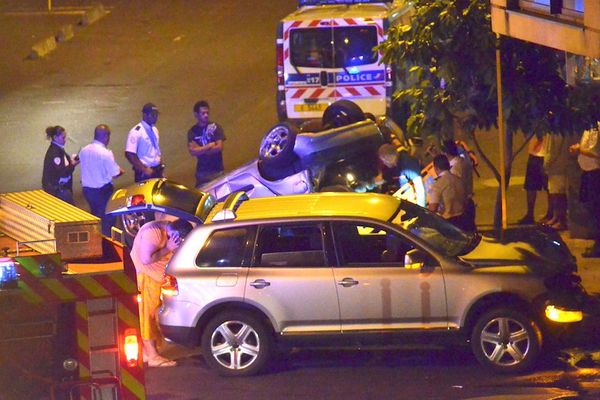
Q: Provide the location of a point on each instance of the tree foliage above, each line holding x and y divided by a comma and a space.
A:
447, 65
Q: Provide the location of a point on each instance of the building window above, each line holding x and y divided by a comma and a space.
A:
78, 237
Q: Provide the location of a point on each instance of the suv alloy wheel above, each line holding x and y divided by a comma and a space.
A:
235, 343
506, 340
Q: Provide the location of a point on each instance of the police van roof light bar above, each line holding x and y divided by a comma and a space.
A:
302, 3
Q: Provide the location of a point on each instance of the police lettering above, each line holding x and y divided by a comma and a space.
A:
368, 77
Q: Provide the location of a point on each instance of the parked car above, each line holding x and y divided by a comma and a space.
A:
363, 269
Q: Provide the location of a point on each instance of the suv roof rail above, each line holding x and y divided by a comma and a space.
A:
231, 204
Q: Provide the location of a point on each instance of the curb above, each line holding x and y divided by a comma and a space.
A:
66, 32
42, 48
93, 15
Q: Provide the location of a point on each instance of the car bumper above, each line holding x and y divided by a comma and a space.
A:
180, 334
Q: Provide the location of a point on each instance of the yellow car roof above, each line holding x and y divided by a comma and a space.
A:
372, 205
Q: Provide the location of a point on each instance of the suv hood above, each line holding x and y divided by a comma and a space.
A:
539, 249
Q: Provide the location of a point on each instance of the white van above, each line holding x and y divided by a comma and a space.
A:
325, 53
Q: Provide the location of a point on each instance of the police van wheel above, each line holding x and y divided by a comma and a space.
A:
342, 113
277, 146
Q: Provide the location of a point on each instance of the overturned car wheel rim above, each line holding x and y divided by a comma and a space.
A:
274, 142
505, 341
235, 345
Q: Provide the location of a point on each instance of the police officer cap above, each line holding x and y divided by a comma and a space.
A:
149, 108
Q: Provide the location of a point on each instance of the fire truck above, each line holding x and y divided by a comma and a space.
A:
68, 305
325, 52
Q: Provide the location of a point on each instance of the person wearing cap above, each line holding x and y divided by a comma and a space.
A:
205, 142
142, 148
98, 168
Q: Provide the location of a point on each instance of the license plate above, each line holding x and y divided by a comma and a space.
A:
310, 107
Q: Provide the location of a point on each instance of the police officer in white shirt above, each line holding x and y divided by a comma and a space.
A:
98, 168
142, 148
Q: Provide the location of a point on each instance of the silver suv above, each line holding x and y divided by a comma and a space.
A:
364, 268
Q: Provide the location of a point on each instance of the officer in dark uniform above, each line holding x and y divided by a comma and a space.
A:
57, 177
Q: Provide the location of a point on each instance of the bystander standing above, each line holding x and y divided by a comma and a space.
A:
205, 142
588, 150
152, 248
98, 168
463, 168
535, 179
447, 194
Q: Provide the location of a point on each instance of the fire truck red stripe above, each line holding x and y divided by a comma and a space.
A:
350, 21
314, 23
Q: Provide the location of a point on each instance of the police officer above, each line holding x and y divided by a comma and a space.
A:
142, 148
57, 176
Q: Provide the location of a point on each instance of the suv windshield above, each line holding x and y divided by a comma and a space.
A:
433, 229
352, 46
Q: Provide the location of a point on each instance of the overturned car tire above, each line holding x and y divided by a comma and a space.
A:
342, 113
276, 153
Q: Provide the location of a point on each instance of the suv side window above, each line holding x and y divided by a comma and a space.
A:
290, 245
225, 248
358, 243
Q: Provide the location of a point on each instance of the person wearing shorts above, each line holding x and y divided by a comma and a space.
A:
535, 178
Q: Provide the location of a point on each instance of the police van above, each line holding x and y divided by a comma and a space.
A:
325, 53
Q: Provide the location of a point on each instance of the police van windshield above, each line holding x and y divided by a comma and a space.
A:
352, 46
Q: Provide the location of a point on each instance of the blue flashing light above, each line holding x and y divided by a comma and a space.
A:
8, 274
353, 70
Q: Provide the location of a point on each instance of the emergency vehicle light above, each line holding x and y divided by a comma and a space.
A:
131, 346
329, 2
8, 274
136, 200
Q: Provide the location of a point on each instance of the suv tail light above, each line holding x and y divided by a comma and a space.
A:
169, 286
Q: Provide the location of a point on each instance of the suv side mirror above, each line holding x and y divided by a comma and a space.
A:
414, 259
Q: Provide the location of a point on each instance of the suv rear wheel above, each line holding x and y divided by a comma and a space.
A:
506, 340
236, 343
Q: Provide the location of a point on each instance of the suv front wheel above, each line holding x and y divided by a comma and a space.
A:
235, 343
506, 340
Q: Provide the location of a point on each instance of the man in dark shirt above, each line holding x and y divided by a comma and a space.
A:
205, 142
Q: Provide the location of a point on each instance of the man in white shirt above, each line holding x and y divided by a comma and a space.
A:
447, 194
588, 150
142, 149
98, 168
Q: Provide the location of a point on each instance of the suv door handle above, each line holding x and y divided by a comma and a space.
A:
347, 282
260, 284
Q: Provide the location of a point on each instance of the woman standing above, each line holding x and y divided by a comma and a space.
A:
57, 178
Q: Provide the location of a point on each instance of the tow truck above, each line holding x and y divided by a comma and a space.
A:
68, 305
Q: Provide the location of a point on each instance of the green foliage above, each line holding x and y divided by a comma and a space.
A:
446, 63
